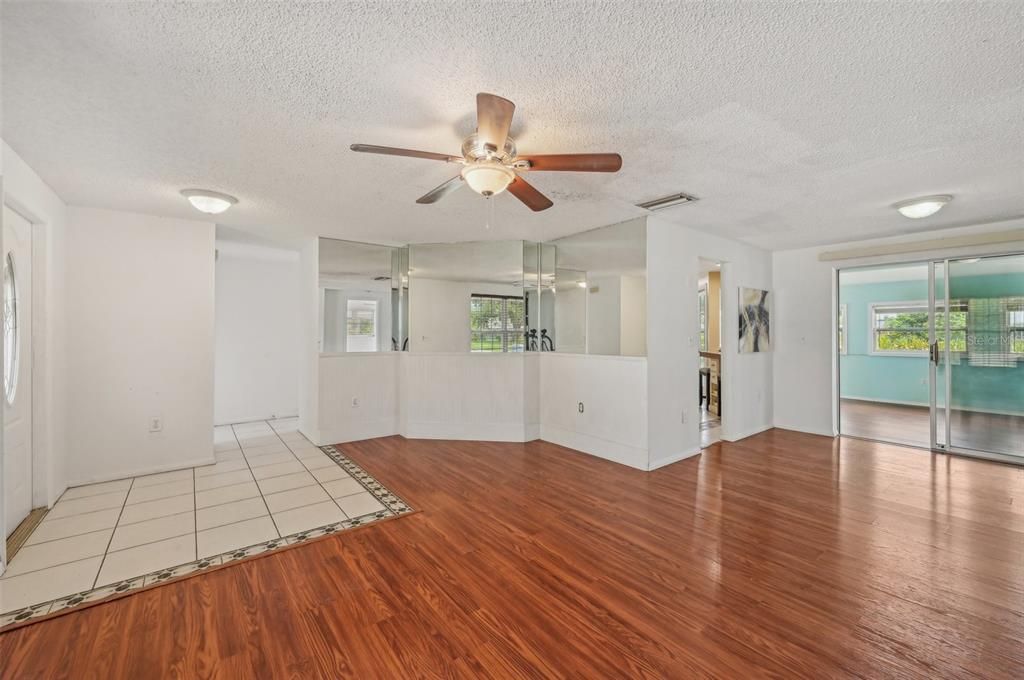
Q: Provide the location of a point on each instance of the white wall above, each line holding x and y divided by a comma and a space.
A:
613, 391
358, 396
803, 309
802, 345
140, 321
672, 273
257, 333
439, 312
484, 395
26, 193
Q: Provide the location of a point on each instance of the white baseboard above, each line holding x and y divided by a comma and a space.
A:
357, 431
623, 454
139, 472
735, 437
674, 458
804, 430
241, 420
532, 432
490, 432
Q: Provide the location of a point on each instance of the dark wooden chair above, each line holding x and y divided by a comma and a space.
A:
704, 392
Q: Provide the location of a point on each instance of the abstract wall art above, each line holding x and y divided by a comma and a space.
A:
755, 322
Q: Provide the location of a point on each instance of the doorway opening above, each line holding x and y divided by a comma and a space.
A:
257, 321
709, 347
931, 354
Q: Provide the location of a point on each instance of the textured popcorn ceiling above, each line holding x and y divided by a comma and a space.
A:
795, 124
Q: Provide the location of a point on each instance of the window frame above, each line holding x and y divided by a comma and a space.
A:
1015, 330
375, 303
504, 333
702, 318
910, 305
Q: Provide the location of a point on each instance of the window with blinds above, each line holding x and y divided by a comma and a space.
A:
496, 323
995, 331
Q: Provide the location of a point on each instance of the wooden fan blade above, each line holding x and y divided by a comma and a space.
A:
575, 162
493, 119
435, 195
412, 153
526, 193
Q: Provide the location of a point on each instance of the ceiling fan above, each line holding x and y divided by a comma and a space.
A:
489, 159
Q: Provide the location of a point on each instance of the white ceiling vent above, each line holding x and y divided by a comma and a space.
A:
667, 201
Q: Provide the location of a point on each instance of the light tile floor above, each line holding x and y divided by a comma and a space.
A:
268, 482
710, 428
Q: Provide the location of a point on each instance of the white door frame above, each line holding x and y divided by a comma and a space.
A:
935, 387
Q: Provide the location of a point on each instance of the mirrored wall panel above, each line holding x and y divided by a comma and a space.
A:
600, 291
539, 284
467, 297
362, 297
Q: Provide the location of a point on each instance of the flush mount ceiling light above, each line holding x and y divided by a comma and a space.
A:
211, 202
916, 208
492, 163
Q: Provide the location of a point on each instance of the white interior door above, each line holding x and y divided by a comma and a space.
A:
17, 383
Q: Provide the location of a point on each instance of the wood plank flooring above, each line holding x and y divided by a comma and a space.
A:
784, 555
909, 425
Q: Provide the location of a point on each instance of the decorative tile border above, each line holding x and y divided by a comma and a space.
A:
394, 506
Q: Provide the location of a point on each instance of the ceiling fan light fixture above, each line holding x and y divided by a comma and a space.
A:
210, 202
926, 206
488, 179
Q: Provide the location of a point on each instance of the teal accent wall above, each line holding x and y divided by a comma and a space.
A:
905, 379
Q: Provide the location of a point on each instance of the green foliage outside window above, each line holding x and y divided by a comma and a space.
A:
908, 331
496, 324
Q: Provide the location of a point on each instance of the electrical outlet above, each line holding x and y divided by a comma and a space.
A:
355, 402
156, 424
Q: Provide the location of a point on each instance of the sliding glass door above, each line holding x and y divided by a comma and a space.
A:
883, 345
978, 356
931, 354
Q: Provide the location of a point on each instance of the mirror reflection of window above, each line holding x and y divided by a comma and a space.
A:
362, 296
469, 297
361, 326
600, 291
496, 323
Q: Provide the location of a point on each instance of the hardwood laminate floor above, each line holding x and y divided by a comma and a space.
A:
903, 424
783, 555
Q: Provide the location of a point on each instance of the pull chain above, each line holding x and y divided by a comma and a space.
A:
490, 213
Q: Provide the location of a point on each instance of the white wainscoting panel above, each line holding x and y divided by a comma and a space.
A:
465, 396
531, 395
613, 391
371, 379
